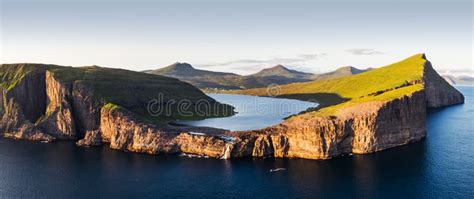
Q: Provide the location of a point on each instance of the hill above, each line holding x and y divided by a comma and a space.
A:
338, 73
279, 74
363, 113
282, 71
49, 98
381, 84
183, 70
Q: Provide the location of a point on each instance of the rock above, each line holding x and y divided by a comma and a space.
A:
439, 93
27, 131
123, 132
92, 138
58, 120
87, 108
23, 104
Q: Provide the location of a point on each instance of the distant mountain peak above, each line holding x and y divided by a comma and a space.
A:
349, 69
279, 67
183, 69
279, 70
181, 65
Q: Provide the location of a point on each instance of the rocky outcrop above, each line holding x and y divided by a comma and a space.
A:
22, 105
86, 108
41, 108
123, 132
27, 131
58, 120
439, 93
92, 138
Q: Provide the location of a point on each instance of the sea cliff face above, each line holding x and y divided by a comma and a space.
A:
120, 129
40, 107
365, 128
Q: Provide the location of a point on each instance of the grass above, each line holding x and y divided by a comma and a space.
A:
12, 74
382, 84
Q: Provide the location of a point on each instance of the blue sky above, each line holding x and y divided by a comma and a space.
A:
237, 36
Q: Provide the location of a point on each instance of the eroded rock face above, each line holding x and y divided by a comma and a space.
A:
379, 126
92, 138
22, 106
28, 131
123, 132
86, 108
59, 120
439, 93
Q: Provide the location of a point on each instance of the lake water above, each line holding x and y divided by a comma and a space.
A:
440, 166
252, 112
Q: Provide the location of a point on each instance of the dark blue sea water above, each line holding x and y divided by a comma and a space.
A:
440, 166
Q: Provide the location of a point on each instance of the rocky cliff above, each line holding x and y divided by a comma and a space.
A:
360, 129
48, 102
43, 105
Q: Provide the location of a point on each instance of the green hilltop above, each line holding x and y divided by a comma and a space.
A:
381, 84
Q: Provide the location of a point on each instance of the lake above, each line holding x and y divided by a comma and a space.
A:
252, 112
440, 166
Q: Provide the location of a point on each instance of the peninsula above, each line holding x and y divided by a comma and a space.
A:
361, 113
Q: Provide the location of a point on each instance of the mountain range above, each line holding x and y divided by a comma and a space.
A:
279, 74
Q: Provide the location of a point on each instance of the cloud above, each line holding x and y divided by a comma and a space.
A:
467, 72
313, 56
365, 51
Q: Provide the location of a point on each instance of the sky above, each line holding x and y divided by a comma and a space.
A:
238, 36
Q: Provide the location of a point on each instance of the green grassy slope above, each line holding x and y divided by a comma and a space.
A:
382, 84
127, 89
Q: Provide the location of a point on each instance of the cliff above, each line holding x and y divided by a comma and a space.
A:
49, 102
379, 109
379, 113
364, 128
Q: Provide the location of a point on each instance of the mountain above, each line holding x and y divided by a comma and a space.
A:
459, 80
338, 73
283, 72
185, 70
199, 78
279, 74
